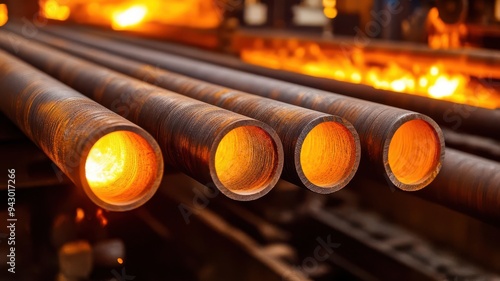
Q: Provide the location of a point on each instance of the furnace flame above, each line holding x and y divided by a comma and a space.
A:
423, 79
130, 17
4, 14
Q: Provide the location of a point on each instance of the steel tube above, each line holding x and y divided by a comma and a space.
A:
406, 147
460, 117
81, 137
241, 156
468, 184
322, 151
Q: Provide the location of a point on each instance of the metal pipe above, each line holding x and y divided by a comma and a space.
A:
241, 156
406, 147
118, 164
460, 117
468, 184
322, 151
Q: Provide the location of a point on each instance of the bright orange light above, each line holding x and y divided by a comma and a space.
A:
119, 260
421, 78
246, 160
52, 9
102, 219
4, 14
330, 12
130, 17
119, 168
105, 162
414, 152
80, 215
134, 14
442, 35
328, 154
434, 71
330, 9
443, 87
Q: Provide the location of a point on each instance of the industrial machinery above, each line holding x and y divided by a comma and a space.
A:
250, 139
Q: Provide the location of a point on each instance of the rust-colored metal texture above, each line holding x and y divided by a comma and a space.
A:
468, 184
407, 147
322, 151
241, 156
460, 117
118, 164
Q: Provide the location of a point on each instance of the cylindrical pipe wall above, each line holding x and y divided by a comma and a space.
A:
407, 147
322, 151
460, 117
118, 164
469, 184
241, 156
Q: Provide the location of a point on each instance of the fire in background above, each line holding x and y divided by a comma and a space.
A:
4, 16
352, 65
442, 35
134, 14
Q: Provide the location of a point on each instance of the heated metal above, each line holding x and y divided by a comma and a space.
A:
118, 164
322, 151
460, 117
405, 146
241, 156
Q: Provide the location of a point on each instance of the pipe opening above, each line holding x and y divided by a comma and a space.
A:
121, 168
414, 152
328, 155
246, 160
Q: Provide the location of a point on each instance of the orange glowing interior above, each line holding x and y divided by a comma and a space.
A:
328, 154
357, 66
135, 14
246, 160
121, 167
414, 152
4, 14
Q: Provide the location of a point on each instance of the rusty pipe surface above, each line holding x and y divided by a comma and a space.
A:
468, 184
118, 164
242, 157
460, 117
322, 151
406, 147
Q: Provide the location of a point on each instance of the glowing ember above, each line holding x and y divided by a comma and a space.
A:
119, 260
80, 215
434, 81
134, 14
52, 9
130, 17
330, 8
4, 15
102, 219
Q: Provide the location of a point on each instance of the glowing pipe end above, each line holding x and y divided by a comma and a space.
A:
329, 156
248, 162
123, 170
415, 154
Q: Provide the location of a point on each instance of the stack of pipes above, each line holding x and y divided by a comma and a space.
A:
114, 106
